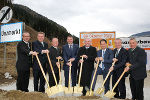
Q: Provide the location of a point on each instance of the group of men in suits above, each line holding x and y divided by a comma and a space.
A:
135, 56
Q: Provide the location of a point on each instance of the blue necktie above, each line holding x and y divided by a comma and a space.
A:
103, 53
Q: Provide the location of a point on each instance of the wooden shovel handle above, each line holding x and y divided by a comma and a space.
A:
42, 70
80, 72
94, 76
59, 70
69, 75
108, 74
119, 79
51, 68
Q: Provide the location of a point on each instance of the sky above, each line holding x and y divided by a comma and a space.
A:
125, 17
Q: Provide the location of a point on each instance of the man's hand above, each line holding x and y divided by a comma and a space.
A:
58, 64
99, 58
45, 51
115, 60
69, 64
33, 53
71, 59
127, 67
59, 57
111, 68
81, 61
85, 56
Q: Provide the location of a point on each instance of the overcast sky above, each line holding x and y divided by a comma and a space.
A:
123, 16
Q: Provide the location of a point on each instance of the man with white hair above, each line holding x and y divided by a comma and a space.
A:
89, 54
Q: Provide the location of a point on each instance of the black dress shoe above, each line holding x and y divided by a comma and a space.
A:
121, 97
116, 96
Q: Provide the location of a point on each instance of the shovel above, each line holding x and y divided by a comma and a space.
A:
110, 94
78, 89
57, 88
60, 80
69, 90
90, 93
48, 90
101, 90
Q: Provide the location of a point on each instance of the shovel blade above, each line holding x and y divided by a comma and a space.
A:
89, 93
60, 88
110, 94
68, 90
100, 91
48, 92
77, 91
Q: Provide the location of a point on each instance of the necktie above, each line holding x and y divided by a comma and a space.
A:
101, 64
116, 53
28, 45
71, 47
103, 58
42, 44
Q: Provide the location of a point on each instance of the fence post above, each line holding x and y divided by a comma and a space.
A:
4, 55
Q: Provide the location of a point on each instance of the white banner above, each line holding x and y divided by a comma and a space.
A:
11, 32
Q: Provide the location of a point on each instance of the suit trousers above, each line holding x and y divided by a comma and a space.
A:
121, 88
137, 88
104, 73
73, 75
37, 74
23, 80
51, 79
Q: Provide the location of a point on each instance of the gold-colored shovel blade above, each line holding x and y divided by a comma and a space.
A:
100, 91
60, 88
78, 89
54, 90
49, 92
89, 93
68, 90
110, 94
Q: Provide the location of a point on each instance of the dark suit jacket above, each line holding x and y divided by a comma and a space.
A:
24, 61
108, 56
122, 59
88, 64
53, 53
137, 58
67, 54
38, 47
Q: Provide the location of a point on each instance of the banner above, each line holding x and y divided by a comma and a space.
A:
96, 37
11, 32
143, 42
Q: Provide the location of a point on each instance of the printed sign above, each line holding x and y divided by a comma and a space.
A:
96, 37
11, 32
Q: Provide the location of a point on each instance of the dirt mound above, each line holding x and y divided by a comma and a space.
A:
19, 95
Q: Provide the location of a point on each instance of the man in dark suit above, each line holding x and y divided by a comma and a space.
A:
54, 52
24, 62
137, 70
105, 55
69, 54
120, 57
89, 54
41, 47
